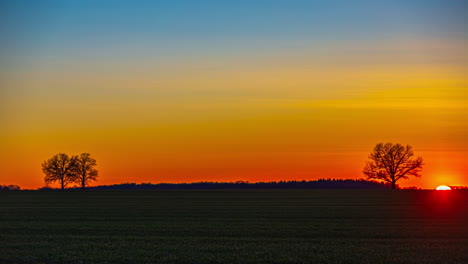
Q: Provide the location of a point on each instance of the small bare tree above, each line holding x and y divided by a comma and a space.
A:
84, 170
60, 168
391, 162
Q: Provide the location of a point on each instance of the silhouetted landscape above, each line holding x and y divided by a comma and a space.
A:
318, 184
234, 132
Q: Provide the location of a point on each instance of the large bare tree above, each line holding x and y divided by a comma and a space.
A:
84, 170
391, 162
60, 168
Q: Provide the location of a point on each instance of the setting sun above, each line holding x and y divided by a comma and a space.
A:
443, 188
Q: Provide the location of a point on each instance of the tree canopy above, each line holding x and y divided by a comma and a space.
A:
84, 169
391, 162
66, 169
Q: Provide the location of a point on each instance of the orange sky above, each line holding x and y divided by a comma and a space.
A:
327, 133
305, 110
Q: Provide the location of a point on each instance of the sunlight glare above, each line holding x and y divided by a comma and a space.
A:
443, 188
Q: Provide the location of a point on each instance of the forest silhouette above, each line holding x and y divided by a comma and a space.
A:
386, 165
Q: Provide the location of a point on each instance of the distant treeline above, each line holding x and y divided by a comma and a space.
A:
318, 184
9, 188
459, 187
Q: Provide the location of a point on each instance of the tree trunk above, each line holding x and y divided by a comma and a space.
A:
393, 185
83, 184
63, 184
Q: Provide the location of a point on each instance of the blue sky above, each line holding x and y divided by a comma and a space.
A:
77, 26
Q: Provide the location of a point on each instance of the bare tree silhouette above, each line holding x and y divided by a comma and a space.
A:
60, 168
84, 169
392, 162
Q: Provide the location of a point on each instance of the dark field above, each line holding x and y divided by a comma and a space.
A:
234, 226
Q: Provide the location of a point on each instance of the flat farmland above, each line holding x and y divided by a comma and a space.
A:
234, 226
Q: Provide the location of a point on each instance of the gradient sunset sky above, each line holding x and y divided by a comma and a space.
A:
186, 91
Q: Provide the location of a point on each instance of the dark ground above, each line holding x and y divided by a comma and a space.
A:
234, 226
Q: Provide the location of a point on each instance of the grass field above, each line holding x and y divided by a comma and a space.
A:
234, 226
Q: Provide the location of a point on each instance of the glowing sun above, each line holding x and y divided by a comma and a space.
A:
443, 188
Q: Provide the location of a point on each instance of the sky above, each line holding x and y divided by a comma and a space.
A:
187, 91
